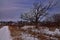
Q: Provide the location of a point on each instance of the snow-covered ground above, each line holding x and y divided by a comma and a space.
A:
48, 32
5, 33
44, 31
26, 36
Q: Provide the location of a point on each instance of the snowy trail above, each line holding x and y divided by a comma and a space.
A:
5, 33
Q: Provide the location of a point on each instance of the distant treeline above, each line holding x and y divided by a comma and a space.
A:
20, 23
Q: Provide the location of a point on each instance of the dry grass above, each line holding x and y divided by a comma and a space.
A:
16, 32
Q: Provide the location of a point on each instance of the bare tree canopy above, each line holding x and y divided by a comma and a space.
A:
39, 9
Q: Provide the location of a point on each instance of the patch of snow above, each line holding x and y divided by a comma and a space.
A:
53, 38
50, 33
5, 33
35, 30
47, 31
57, 32
26, 27
26, 36
44, 30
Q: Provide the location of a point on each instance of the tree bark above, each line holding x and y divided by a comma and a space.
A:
36, 23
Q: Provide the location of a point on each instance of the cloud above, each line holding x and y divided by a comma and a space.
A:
11, 9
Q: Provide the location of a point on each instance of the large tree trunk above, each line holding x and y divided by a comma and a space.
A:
36, 23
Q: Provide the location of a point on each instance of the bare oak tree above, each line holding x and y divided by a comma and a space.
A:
39, 9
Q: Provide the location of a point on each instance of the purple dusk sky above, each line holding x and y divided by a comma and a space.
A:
11, 9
